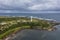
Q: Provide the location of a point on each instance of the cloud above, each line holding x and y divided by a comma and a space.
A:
30, 5
46, 5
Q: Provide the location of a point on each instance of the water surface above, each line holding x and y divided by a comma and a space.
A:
36, 34
29, 34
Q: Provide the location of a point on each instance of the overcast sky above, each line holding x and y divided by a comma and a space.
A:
8, 6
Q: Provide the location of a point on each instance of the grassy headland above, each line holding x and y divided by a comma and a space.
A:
10, 25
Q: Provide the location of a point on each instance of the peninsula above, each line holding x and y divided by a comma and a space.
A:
11, 25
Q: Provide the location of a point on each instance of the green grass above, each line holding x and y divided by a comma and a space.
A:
22, 25
25, 27
9, 32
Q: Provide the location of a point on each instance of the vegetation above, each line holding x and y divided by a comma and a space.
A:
9, 25
9, 32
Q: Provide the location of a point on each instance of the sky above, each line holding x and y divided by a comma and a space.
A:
17, 6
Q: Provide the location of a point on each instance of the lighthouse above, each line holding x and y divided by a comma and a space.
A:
31, 18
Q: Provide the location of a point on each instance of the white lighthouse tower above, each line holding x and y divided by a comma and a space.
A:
31, 18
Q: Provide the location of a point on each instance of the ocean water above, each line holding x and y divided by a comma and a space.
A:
55, 16
36, 34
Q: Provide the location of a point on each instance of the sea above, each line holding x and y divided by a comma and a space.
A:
29, 34
55, 16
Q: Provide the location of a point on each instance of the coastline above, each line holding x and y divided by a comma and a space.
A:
34, 25
14, 34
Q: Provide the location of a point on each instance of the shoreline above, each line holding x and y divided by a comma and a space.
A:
14, 34
41, 18
11, 36
45, 25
